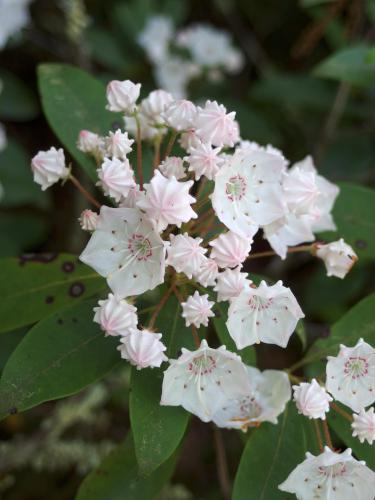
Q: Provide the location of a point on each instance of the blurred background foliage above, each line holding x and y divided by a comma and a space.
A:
307, 87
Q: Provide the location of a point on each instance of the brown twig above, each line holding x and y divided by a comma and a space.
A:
159, 307
84, 191
271, 253
327, 435
318, 435
170, 144
222, 464
341, 412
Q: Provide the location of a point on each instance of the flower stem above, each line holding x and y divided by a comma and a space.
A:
341, 412
157, 144
270, 253
170, 144
139, 152
84, 191
222, 464
318, 435
159, 307
327, 435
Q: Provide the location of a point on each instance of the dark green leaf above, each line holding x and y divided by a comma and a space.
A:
17, 101
20, 232
8, 342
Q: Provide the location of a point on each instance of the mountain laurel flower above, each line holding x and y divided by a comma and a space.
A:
89, 142
230, 283
118, 144
230, 250
264, 314
180, 114
351, 376
331, 475
173, 166
311, 399
143, 349
202, 380
215, 126
363, 425
189, 139
122, 96
300, 190
155, 104
89, 220
185, 254
116, 178
269, 393
49, 167
127, 251
167, 201
116, 317
204, 160
338, 257
148, 132
207, 272
131, 199
197, 310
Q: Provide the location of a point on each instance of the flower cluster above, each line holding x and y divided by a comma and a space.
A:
181, 56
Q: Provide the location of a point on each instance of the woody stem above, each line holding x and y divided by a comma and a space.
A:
139, 152
84, 191
170, 144
222, 464
318, 435
327, 435
341, 412
270, 253
159, 307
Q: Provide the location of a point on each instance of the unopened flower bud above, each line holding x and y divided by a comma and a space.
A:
49, 167
122, 96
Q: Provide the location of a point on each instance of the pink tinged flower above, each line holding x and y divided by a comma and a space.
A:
49, 167
230, 250
167, 201
197, 310
364, 425
311, 399
300, 191
351, 375
207, 272
180, 114
265, 314
148, 132
122, 96
116, 178
215, 126
89, 142
132, 198
204, 160
89, 220
189, 139
118, 144
143, 349
230, 283
173, 166
155, 104
338, 258
116, 317
266, 400
331, 475
248, 193
126, 249
252, 146
185, 254
201, 381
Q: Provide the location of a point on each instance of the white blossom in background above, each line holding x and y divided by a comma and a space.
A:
269, 393
264, 314
207, 273
155, 37
148, 132
122, 96
204, 160
116, 317
197, 310
185, 254
202, 380
180, 114
364, 425
338, 257
116, 178
89, 220
173, 166
14, 15
127, 251
330, 475
174, 75
49, 167
143, 349
311, 399
230, 250
351, 375
89, 142
118, 144
230, 283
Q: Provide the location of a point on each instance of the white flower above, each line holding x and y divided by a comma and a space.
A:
311, 399
197, 309
167, 201
331, 476
143, 349
127, 251
155, 104
14, 15
364, 425
189, 140
116, 317
338, 257
230, 283
89, 142
174, 75
89, 220
49, 167
173, 166
300, 190
351, 375
204, 160
248, 193
180, 114
132, 198
266, 400
215, 126
185, 254
265, 314
252, 146
201, 381
116, 178
118, 144
207, 272
230, 250
122, 96
155, 37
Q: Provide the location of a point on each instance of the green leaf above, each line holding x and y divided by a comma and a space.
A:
8, 343
270, 455
17, 101
158, 430
349, 65
117, 478
36, 285
20, 232
59, 356
74, 100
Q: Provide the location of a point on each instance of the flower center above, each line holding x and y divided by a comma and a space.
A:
356, 367
250, 408
259, 304
202, 365
140, 247
336, 470
235, 188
